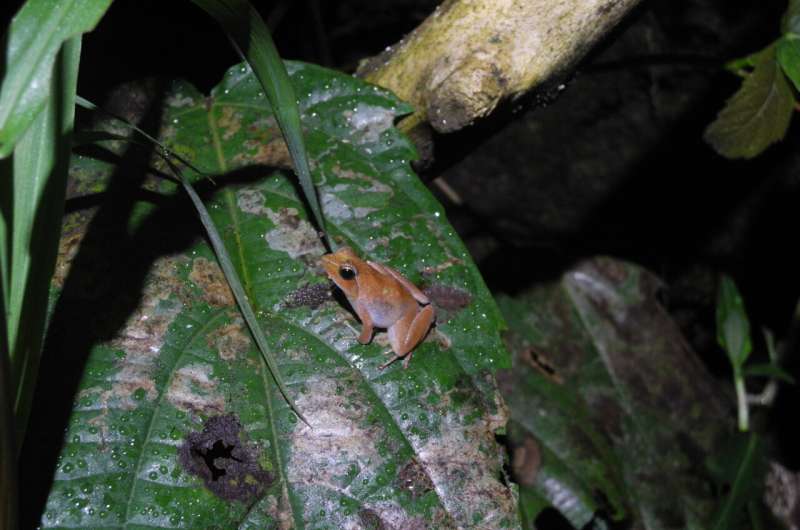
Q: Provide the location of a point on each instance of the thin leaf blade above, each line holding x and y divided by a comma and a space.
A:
768, 370
247, 30
35, 36
31, 225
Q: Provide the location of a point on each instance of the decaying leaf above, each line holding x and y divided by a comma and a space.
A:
624, 412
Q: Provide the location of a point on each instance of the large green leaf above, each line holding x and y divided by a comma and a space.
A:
610, 412
758, 114
34, 38
400, 448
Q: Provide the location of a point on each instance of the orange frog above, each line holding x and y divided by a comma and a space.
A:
384, 298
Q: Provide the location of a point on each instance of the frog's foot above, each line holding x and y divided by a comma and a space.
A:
394, 358
407, 360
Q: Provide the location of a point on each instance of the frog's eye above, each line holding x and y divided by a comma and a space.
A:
347, 272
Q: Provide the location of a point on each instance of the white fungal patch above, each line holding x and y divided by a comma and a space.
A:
339, 440
297, 238
193, 390
335, 208
292, 234
142, 337
464, 463
369, 122
179, 100
251, 201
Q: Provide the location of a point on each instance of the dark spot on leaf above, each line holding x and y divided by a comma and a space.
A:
371, 520
308, 295
224, 461
414, 479
540, 362
208, 276
450, 299
230, 341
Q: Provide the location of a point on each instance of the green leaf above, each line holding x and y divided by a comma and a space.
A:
789, 57
224, 260
757, 115
768, 370
790, 23
605, 393
33, 183
35, 36
739, 469
733, 326
247, 30
741, 65
531, 504
408, 448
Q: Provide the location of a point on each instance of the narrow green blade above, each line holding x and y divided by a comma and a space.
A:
247, 30
31, 225
36, 34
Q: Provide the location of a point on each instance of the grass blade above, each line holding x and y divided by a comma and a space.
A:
219, 249
35, 36
251, 36
236, 286
744, 484
31, 225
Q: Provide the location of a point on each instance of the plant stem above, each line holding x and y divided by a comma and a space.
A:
741, 401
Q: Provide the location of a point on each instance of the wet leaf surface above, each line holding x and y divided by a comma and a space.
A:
611, 412
394, 448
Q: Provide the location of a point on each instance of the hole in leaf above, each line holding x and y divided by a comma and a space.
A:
219, 450
221, 456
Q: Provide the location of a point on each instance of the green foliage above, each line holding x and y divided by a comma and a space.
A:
415, 446
733, 326
733, 335
247, 30
37, 95
29, 59
224, 260
790, 23
758, 114
740, 468
602, 389
768, 370
789, 57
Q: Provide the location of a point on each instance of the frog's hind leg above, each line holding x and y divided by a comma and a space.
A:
407, 333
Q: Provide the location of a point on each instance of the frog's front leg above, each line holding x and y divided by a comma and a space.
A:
407, 333
366, 322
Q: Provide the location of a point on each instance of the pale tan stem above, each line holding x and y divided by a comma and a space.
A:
471, 54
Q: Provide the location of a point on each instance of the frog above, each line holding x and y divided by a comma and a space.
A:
382, 297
